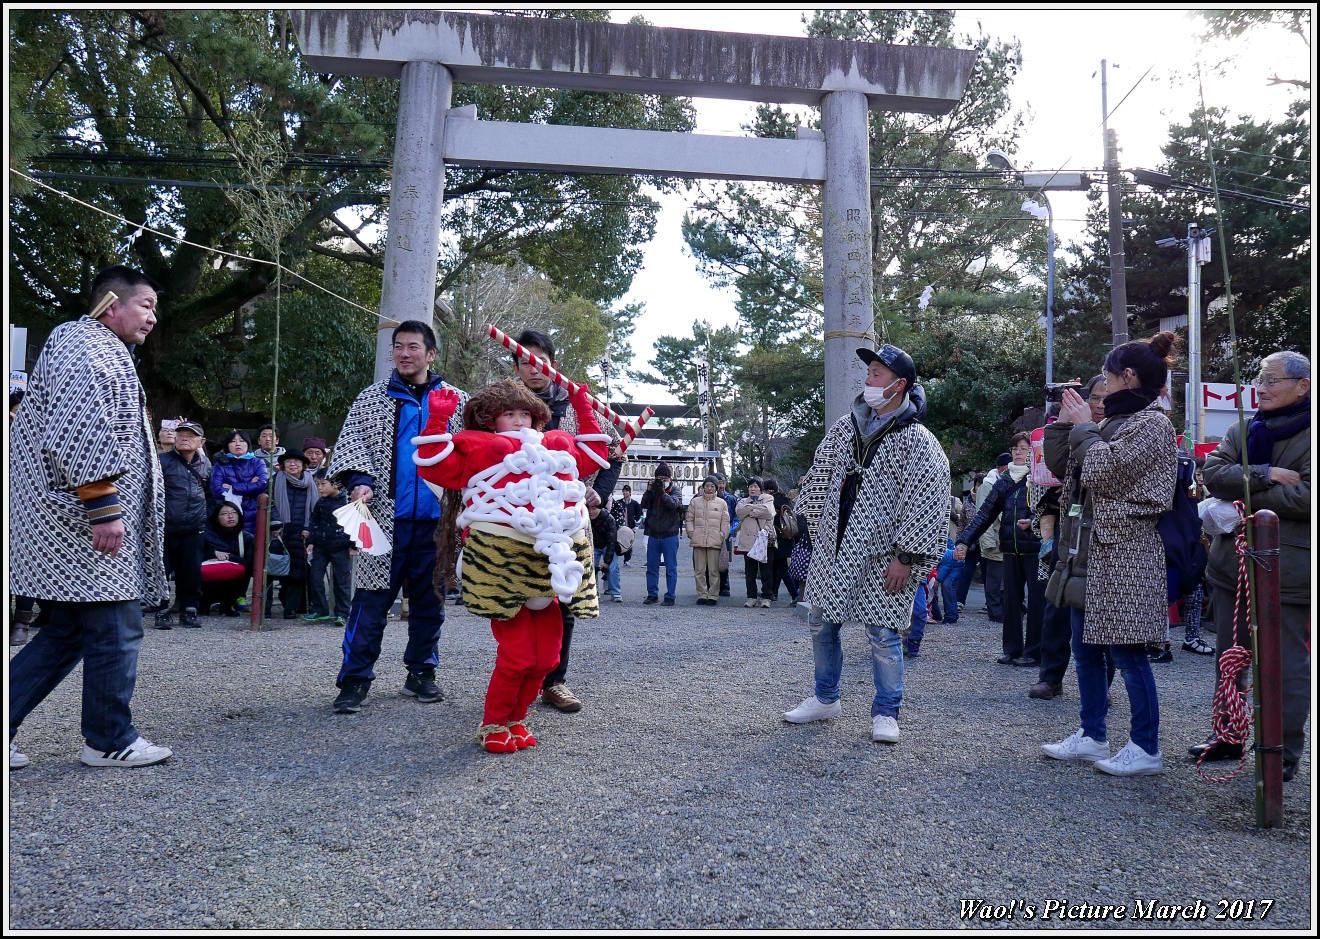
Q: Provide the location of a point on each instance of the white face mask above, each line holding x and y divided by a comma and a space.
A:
879, 398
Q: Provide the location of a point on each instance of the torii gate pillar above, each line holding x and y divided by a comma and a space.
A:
417, 192
846, 243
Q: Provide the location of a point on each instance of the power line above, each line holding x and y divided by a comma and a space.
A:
183, 241
1268, 156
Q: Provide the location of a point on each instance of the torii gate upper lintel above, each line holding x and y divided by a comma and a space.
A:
429, 50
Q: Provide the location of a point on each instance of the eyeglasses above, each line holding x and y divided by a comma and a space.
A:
1266, 381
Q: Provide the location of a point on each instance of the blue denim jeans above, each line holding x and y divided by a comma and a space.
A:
412, 564
949, 593
612, 586
886, 664
668, 547
920, 613
1094, 690
106, 638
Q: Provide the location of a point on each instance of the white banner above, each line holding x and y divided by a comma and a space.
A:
703, 400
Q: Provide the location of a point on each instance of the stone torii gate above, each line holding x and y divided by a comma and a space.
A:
429, 50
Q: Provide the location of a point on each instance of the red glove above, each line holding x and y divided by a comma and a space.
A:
581, 401
443, 403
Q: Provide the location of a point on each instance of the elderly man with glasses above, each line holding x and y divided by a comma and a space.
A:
1279, 479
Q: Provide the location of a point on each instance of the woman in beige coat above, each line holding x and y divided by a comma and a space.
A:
707, 527
757, 514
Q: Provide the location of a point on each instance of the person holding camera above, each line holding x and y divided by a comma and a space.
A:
661, 503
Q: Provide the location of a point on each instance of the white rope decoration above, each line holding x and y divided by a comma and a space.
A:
583, 439
446, 439
535, 506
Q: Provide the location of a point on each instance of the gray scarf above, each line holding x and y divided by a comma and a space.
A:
282, 482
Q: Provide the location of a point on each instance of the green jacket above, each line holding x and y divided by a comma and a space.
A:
1223, 478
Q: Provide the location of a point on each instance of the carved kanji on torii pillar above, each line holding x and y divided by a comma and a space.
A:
429, 50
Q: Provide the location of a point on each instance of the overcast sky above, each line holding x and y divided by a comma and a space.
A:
1058, 89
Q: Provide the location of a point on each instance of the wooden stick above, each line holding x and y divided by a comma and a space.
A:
109, 298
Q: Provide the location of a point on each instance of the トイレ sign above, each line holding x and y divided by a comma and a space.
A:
1219, 403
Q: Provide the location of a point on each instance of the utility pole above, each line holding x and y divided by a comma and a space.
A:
1117, 273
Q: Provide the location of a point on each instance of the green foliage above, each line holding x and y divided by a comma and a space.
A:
961, 232
1269, 248
979, 373
158, 96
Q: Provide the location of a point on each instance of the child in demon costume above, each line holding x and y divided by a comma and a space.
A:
526, 543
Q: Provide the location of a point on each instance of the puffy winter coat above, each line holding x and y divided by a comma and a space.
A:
1008, 500
707, 521
755, 515
246, 475
662, 510
185, 493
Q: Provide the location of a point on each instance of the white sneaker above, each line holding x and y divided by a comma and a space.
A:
618, 598
1132, 760
1077, 747
765, 603
753, 602
813, 709
884, 729
16, 760
141, 752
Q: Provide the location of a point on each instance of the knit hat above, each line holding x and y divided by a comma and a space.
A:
313, 443
662, 469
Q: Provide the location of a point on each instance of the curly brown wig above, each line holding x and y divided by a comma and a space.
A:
483, 407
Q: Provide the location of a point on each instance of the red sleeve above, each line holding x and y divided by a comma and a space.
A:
453, 472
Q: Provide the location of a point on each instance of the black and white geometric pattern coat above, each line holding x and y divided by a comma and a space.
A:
84, 421
366, 444
901, 505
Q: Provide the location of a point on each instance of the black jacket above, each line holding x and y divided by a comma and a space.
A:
326, 534
663, 515
231, 541
604, 532
1008, 500
185, 493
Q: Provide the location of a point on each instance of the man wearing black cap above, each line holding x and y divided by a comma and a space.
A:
186, 484
661, 504
877, 503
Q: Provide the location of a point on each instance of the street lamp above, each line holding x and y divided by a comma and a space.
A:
998, 159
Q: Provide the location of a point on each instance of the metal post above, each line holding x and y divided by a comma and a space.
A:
258, 608
1117, 272
417, 192
846, 230
1269, 672
1194, 416
1049, 296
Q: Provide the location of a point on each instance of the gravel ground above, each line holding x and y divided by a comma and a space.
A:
676, 798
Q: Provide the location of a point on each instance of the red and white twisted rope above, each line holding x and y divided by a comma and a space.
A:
1232, 707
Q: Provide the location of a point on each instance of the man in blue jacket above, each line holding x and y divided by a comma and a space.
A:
373, 462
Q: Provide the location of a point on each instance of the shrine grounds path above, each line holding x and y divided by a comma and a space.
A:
676, 798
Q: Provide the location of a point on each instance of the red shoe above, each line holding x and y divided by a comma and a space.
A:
521, 735
497, 739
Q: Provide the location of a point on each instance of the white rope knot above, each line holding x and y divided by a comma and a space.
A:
536, 506
446, 439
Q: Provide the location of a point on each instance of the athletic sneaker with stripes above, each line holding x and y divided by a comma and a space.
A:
141, 752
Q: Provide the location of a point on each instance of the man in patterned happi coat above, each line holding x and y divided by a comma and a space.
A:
876, 500
372, 461
86, 517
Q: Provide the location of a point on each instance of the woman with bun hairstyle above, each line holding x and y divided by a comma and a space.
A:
1119, 477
